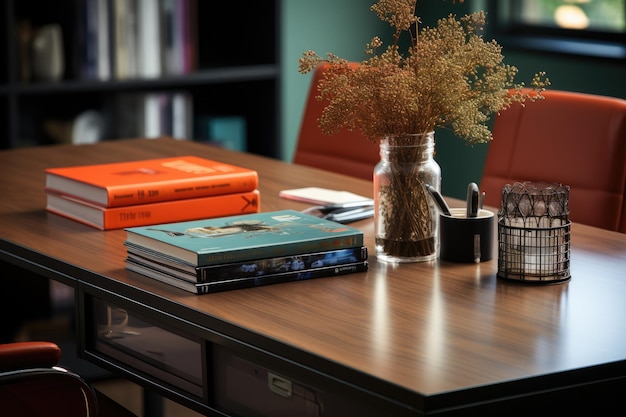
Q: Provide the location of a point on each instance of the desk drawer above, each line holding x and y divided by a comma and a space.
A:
251, 387
137, 342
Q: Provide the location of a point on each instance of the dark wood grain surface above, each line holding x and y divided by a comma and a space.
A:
415, 330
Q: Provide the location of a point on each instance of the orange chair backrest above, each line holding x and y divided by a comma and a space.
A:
570, 138
349, 153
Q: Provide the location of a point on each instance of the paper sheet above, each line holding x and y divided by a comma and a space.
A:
321, 196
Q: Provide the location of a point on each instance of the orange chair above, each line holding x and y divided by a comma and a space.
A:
348, 153
622, 226
32, 384
570, 138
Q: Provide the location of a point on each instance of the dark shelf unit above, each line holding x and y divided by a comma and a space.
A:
238, 73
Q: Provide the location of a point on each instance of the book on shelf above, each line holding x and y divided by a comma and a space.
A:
107, 218
125, 45
179, 40
181, 115
93, 38
150, 181
149, 38
155, 115
189, 36
244, 269
247, 282
152, 114
245, 237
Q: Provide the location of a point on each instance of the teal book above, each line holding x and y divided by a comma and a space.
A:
244, 237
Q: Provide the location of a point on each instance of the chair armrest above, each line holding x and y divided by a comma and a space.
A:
22, 355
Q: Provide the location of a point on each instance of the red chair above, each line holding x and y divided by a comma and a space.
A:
570, 138
348, 153
32, 384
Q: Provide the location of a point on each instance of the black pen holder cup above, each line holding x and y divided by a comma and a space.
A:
466, 239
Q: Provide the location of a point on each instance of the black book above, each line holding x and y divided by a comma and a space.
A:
238, 283
255, 268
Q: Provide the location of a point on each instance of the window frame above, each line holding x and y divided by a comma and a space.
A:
588, 43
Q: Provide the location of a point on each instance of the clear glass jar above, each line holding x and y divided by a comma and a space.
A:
406, 217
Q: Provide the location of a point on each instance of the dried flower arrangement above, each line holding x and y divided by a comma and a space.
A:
449, 77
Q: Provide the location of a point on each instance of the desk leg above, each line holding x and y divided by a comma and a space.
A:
153, 404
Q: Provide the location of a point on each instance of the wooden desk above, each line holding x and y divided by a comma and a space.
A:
410, 339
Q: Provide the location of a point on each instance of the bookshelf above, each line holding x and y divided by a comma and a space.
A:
236, 73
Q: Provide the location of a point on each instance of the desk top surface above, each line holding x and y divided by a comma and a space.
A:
422, 329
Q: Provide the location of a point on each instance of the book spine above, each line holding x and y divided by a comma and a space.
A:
149, 38
167, 37
166, 191
182, 115
125, 24
182, 210
90, 51
286, 264
178, 37
280, 278
103, 39
152, 117
190, 34
121, 35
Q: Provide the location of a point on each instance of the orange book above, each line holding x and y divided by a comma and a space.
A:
106, 218
150, 181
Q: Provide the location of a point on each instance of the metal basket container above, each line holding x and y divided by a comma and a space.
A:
534, 233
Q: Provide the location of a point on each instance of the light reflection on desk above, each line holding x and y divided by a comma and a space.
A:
598, 315
380, 320
547, 319
434, 340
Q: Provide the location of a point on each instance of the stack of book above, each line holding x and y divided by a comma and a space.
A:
153, 191
211, 255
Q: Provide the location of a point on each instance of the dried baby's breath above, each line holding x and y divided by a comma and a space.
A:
448, 77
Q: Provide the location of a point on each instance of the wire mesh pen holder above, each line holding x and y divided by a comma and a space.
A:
534, 233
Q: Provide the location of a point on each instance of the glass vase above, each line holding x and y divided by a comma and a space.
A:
406, 217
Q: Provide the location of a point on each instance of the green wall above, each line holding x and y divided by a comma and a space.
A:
342, 27
345, 26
